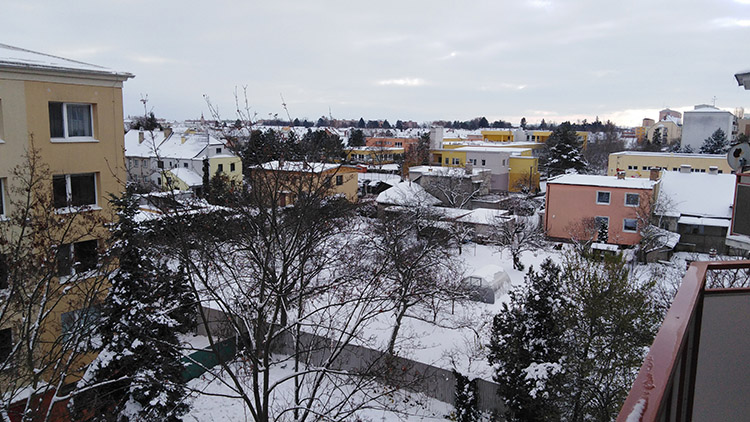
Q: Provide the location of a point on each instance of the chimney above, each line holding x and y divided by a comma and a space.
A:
167, 132
620, 175
654, 173
140, 137
713, 170
685, 168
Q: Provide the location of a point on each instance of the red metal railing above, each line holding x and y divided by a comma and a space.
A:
663, 389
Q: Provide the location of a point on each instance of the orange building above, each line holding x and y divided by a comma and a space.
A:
578, 205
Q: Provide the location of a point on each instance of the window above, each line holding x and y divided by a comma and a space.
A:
6, 343
446, 161
674, 168
78, 257
232, 167
160, 164
456, 161
602, 197
630, 225
644, 168
484, 162
339, 180
220, 168
74, 190
184, 165
81, 321
2, 198
721, 171
218, 150
67, 120
632, 199
399, 144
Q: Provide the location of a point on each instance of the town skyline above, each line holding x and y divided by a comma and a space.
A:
539, 59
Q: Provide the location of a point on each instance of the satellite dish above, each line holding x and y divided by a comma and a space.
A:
738, 156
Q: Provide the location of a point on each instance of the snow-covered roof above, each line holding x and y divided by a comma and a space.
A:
299, 166
181, 143
701, 221
19, 58
486, 149
603, 181
483, 216
447, 171
378, 177
670, 154
407, 194
187, 175
697, 194
604, 247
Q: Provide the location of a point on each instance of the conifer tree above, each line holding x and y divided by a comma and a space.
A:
526, 347
467, 398
563, 152
715, 144
137, 375
603, 235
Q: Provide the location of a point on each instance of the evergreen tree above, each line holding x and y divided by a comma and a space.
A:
138, 374
386, 125
526, 347
483, 123
715, 144
611, 320
206, 177
687, 149
563, 151
361, 124
467, 398
357, 138
399, 125
543, 125
603, 234
523, 123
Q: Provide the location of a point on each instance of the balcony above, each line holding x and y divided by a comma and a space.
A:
698, 368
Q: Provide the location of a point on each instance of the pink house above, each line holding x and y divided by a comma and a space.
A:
577, 205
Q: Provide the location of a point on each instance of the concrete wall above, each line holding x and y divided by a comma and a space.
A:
700, 124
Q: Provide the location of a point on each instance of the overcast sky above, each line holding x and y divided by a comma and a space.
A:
408, 60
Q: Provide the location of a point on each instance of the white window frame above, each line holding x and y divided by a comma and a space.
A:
2, 126
66, 137
456, 161
69, 196
625, 230
637, 195
609, 198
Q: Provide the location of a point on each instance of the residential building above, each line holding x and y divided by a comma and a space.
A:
664, 114
541, 136
173, 158
69, 116
390, 142
639, 163
454, 187
293, 178
702, 122
374, 154
697, 206
577, 205
668, 130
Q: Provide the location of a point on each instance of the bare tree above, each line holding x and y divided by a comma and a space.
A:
417, 264
518, 234
455, 187
53, 276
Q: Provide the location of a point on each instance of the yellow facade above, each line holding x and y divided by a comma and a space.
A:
638, 164
91, 162
227, 164
523, 173
498, 135
453, 158
541, 136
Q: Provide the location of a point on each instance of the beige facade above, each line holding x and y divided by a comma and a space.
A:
68, 116
669, 131
638, 164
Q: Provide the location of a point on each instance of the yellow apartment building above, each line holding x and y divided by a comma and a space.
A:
293, 177
70, 115
638, 164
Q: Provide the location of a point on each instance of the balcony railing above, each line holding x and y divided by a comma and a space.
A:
697, 367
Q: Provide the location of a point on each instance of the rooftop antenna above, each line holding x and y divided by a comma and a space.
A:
283, 104
144, 100
713, 100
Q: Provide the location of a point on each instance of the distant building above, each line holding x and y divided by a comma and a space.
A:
697, 206
639, 164
452, 186
578, 205
173, 158
293, 178
669, 113
703, 121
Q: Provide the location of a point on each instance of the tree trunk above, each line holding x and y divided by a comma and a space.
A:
396, 327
